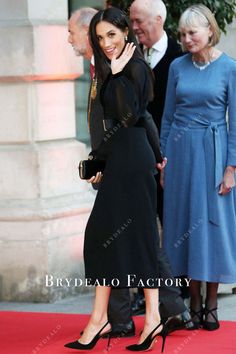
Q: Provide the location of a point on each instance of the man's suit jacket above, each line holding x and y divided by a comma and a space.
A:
160, 71
95, 117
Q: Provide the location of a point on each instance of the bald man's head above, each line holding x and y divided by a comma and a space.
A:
148, 18
78, 27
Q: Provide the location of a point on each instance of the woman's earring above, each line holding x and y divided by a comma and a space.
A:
126, 38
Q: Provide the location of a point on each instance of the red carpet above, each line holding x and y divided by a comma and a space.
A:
46, 333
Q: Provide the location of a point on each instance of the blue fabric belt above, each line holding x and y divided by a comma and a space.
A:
213, 158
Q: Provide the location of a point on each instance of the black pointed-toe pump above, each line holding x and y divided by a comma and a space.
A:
148, 342
77, 345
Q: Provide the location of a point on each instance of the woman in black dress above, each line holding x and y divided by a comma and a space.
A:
120, 247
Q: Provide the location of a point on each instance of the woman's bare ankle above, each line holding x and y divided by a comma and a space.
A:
152, 320
97, 320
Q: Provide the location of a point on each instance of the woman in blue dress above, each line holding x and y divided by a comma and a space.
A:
198, 138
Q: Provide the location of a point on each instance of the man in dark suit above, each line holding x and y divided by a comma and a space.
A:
148, 19
119, 303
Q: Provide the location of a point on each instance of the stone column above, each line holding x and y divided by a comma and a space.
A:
43, 204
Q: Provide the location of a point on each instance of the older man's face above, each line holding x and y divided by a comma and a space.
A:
143, 25
78, 38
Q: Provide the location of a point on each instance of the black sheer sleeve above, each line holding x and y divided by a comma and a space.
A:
125, 97
152, 135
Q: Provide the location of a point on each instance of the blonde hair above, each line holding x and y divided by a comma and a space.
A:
200, 15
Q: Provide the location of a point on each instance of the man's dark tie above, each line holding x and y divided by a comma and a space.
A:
92, 71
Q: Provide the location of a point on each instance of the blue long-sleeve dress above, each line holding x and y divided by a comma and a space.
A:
199, 142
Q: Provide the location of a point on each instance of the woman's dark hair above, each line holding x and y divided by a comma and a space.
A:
118, 19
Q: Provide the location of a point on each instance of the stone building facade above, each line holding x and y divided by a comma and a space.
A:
43, 204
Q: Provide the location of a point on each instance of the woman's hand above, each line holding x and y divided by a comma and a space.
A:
161, 167
95, 179
162, 164
118, 64
228, 180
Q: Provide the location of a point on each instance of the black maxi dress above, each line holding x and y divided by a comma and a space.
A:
120, 246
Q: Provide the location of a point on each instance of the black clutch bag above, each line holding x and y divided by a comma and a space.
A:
89, 168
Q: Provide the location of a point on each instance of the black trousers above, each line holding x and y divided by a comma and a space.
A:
159, 198
171, 302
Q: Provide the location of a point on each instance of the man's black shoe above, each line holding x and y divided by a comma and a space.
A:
187, 319
182, 321
138, 305
174, 323
121, 330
